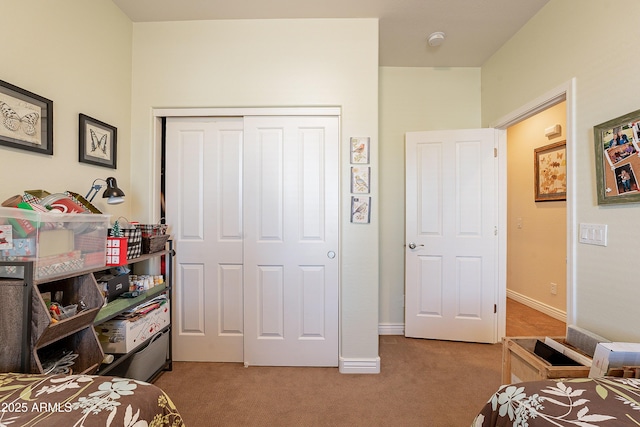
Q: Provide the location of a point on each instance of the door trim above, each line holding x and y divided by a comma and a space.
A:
246, 111
564, 92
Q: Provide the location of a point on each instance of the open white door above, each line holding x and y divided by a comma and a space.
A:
451, 235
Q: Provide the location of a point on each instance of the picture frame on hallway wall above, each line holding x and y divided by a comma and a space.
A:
550, 172
618, 159
27, 120
97, 142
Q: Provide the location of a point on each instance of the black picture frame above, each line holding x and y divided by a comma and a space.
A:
97, 142
26, 120
617, 150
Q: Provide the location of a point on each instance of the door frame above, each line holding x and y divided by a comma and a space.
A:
564, 92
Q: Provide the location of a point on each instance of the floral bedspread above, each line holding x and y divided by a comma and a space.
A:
582, 402
83, 400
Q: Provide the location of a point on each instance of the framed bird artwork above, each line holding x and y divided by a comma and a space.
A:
360, 179
360, 149
360, 210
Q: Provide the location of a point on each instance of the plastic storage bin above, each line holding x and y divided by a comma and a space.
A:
58, 243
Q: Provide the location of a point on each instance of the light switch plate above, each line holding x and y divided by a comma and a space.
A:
593, 234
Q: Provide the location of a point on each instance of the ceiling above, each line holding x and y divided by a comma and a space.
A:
474, 29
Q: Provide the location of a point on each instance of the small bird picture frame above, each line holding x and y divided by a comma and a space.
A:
360, 210
360, 149
360, 179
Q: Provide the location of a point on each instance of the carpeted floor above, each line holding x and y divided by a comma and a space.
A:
422, 383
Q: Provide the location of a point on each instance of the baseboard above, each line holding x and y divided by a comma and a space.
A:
537, 305
391, 329
359, 366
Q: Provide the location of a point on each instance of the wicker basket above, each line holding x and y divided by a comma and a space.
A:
153, 244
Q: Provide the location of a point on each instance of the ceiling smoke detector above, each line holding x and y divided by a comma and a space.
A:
436, 39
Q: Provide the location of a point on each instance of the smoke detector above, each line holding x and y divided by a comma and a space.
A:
436, 39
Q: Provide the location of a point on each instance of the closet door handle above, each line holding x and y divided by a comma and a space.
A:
331, 254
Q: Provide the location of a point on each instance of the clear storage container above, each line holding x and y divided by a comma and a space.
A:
58, 243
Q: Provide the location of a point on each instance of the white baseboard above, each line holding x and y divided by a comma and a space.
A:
391, 329
537, 305
359, 366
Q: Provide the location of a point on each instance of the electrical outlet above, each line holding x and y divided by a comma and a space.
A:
554, 289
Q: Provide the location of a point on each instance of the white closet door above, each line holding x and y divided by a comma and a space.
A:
204, 209
291, 241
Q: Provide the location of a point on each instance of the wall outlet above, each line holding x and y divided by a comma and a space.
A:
554, 289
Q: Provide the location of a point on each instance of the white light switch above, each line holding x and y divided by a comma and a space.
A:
593, 234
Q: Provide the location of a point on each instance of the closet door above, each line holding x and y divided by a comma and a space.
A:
204, 208
290, 192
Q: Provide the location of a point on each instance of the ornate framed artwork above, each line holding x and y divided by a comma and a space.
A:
618, 159
27, 120
550, 172
97, 142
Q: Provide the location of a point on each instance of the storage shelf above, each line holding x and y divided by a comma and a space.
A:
121, 305
30, 334
120, 366
119, 358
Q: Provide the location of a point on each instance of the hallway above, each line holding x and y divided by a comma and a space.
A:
524, 321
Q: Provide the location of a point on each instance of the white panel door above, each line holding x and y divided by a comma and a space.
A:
204, 208
451, 235
291, 241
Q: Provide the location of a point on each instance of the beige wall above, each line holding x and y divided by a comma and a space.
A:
274, 63
413, 99
536, 236
77, 54
595, 42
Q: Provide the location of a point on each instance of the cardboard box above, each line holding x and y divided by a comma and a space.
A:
611, 355
122, 336
55, 242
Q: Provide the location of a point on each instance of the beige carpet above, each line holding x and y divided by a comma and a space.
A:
422, 383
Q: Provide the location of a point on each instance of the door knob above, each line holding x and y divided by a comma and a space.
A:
413, 245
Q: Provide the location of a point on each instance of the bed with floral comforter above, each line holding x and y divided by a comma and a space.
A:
582, 402
83, 400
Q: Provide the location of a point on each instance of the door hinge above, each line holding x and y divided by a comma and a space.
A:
495, 152
495, 308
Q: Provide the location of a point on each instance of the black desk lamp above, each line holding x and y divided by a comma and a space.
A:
112, 193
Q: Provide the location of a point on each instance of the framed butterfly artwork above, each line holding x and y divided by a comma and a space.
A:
97, 142
26, 120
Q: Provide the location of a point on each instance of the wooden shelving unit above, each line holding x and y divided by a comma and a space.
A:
31, 333
31, 336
